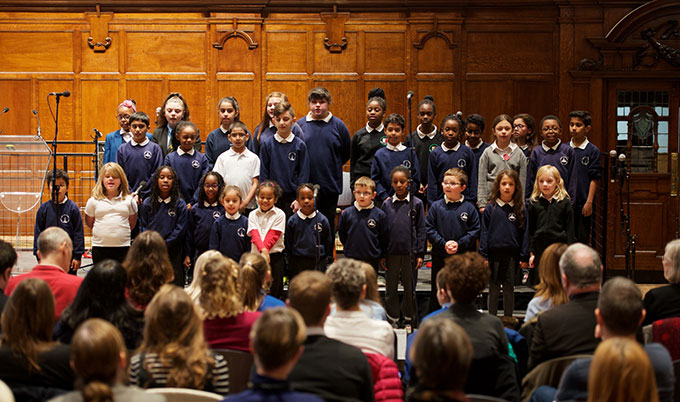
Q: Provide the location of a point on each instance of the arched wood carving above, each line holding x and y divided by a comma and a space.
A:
434, 33
335, 40
99, 39
235, 33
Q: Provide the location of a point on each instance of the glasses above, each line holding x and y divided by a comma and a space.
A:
363, 193
451, 184
469, 131
211, 186
519, 126
123, 117
548, 129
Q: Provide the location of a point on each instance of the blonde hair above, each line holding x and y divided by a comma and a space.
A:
621, 371
220, 296
254, 269
365, 181
371, 283
550, 285
458, 174
560, 192
194, 289
99, 192
672, 254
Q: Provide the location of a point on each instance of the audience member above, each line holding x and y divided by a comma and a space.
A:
349, 377
54, 251
277, 339
194, 289
102, 295
148, 268
174, 352
99, 358
350, 324
664, 302
8, 258
549, 291
370, 303
255, 279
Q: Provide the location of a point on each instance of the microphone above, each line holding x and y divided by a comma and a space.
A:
613, 168
35, 112
139, 187
99, 133
316, 189
5, 110
409, 95
622, 165
459, 114
65, 94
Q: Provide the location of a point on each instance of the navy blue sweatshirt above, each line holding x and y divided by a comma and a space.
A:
587, 167
254, 144
190, 169
477, 152
458, 221
139, 162
384, 161
400, 228
441, 161
70, 220
201, 219
170, 221
300, 239
562, 159
501, 229
230, 237
330, 146
218, 142
423, 148
364, 234
285, 163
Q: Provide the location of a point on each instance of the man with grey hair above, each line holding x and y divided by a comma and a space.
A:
54, 250
350, 324
569, 329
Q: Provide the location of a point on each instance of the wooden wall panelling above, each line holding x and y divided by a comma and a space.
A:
178, 51
98, 102
100, 62
148, 92
67, 117
564, 60
194, 92
16, 95
244, 88
31, 52
536, 96
488, 98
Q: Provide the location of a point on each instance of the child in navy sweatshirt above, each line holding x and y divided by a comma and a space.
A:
504, 241
587, 172
189, 164
405, 234
218, 139
140, 157
394, 154
284, 158
369, 139
229, 233
202, 216
452, 225
474, 133
452, 154
362, 228
66, 215
304, 230
165, 212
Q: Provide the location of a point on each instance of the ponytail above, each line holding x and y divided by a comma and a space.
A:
254, 269
97, 391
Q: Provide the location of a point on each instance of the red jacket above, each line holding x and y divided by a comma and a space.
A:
386, 382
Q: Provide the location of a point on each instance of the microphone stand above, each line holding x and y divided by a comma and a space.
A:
412, 215
317, 246
55, 188
624, 176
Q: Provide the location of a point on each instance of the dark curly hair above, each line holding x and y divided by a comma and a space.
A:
467, 276
201, 183
156, 192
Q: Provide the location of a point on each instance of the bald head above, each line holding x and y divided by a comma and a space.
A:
55, 247
582, 266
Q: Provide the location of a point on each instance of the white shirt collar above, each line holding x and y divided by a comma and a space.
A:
231, 152
325, 119
303, 216
554, 147
429, 135
447, 149
370, 129
269, 211
232, 217
583, 145
399, 147
223, 130
356, 205
180, 152
282, 140
501, 202
164, 200
512, 146
311, 331
407, 198
127, 136
134, 143
467, 144
446, 199
271, 124
551, 199
208, 205
65, 199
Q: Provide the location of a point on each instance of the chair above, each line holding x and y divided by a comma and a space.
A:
483, 398
185, 395
240, 364
667, 333
547, 373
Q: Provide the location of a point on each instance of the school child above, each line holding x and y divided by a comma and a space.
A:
189, 164
202, 216
165, 212
266, 227
523, 132
140, 157
369, 139
394, 154
329, 139
284, 158
111, 213
451, 154
239, 167
255, 280
362, 228
229, 233
553, 151
551, 217
587, 172
173, 110
504, 240
218, 140
66, 215
266, 129
452, 225
474, 133
116, 138
499, 156
304, 230
425, 139
403, 238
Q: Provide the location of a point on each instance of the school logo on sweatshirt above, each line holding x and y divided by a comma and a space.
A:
292, 156
464, 216
318, 227
371, 223
406, 164
241, 232
383, 141
147, 154
512, 217
195, 164
461, 163
171, 212
216, 214
585, 161
64, 218
564, 160
433, 147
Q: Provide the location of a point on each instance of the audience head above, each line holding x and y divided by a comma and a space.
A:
98, 357
442, 295
467, 275
277, 338
194, 289
28, 319
220, 296
310, 294
371, 283
619, 309
55, 247
621, 371
148, 267
255, 279
349, 282
581, 269
8, 258
441, 355
671, 262
550, 285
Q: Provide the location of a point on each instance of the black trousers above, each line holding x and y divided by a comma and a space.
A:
327, 204
109, 253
